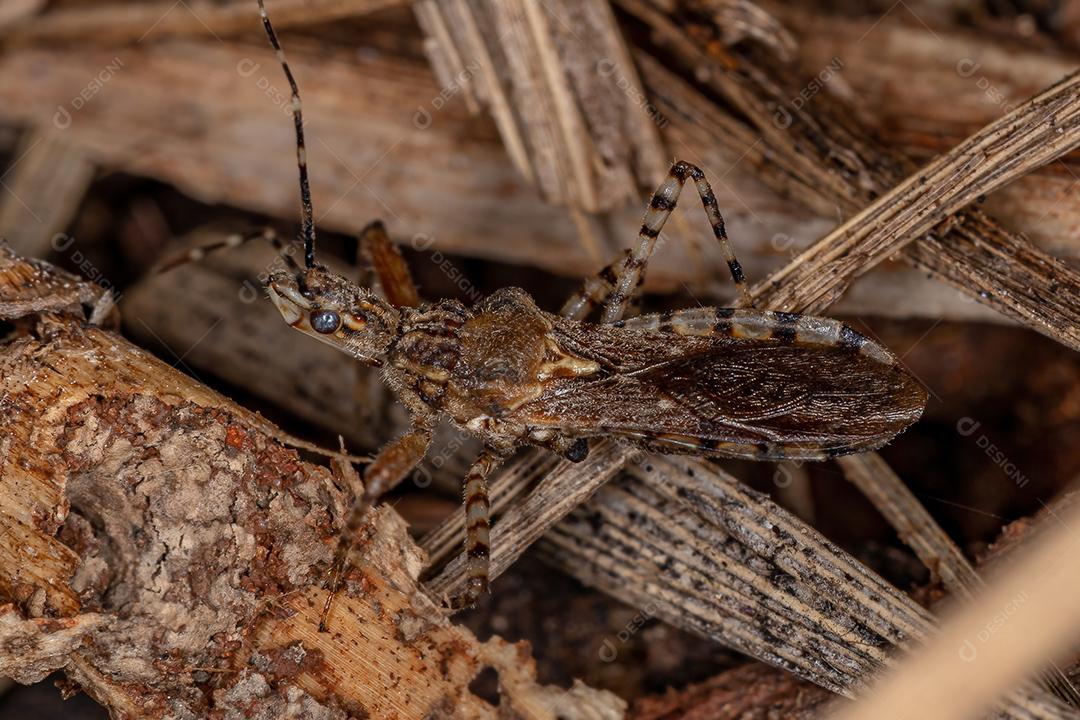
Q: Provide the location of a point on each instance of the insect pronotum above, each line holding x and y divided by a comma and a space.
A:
738, 383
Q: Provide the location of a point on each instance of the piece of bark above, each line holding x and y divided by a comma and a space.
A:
133, 493
108, 24
746, 693
44, 185
32, 286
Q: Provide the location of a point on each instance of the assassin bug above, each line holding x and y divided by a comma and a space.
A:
737, 383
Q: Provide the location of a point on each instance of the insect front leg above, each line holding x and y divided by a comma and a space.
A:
396, 460
391, 272
660, 207
477, 528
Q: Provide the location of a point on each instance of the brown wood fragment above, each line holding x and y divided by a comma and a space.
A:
170, 525
106, 24
751, 691
558, 81
30, 286
43, 187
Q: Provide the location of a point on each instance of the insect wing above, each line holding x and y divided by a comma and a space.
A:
738, 398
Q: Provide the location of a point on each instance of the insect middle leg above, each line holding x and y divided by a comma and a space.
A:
391, 272
660, 207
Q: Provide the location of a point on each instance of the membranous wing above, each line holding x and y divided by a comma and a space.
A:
744, 383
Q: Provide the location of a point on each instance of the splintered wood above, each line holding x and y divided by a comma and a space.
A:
571, 112
166, 551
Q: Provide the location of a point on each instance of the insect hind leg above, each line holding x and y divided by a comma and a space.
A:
660, 208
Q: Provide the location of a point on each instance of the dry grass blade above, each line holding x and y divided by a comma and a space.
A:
1037, 597
1042, 129
918, 530
580, 138
691, 545
560, 491
124, 23
825, 159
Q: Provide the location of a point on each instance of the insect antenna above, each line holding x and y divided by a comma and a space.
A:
196, 254
307, 231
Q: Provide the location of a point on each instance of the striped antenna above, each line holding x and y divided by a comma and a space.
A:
307, 215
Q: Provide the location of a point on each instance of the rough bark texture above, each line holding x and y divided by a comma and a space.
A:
167, 552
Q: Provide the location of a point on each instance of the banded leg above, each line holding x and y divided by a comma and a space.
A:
391, 271
660, 208
477, 528
594, 290
389, 468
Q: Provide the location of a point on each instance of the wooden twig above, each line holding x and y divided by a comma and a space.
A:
43, 188
558, 81
105, 24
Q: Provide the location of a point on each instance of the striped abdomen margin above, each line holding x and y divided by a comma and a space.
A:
750, 324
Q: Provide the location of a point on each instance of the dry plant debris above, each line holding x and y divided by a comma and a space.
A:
130, 555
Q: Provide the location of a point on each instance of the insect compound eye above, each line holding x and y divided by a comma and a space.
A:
325, 321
